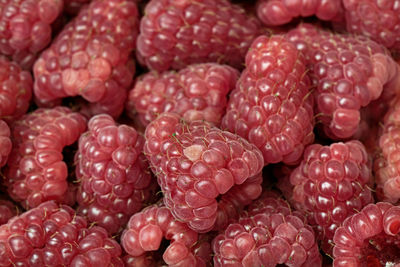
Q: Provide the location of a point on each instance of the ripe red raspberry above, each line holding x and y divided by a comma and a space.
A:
53, 235
26, 28
268, 234
348, 72
332, 183
270, 106
207, 175
91, 58
198, 92
113, 173
369, 238
5, 143
175, 34
35, 171
7, 210
15, 90
147, 229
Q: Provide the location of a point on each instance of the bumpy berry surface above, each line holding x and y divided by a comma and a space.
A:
332, 183
198, 92
113, 173
53, 235
379, 20
26, 28
5, 143
207, 175
278, 12
35, 171
348, 72
268, 234
91, 58
272, 105
7, 210
369, 238
175, 34
147, 229
15, 90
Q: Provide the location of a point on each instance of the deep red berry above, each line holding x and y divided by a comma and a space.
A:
369, 238
207, 175
7, 210
175, 34
5, 143
272, 105
53, 235
35, 171
91, 58
113, 173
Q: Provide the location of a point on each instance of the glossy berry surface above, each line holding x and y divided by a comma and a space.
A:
5, 143
207, 175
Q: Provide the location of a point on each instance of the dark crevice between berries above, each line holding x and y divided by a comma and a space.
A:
68, 157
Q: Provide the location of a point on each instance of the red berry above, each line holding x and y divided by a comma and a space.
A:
35, 171
5, 143
198, 92
270, 106
207, 175
7, 211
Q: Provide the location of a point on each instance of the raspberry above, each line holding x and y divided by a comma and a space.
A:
369, 238
347, 71
26, 28
332, 183
7, 211
35, 171
270, 106
53, 235
175, 34
268, 234
207, 175
198, 92
5, 143
91, 58
15, 90
113, 173
148, 228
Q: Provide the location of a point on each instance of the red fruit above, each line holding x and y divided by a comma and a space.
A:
268, 234
53, 235
270, 106
348, 72
15, 89
7, 211
207, 175
175, 34
147, 229
5, 143
370, 237
332, 183
73, 7
91, 58
198, 92
113, 173
35, 171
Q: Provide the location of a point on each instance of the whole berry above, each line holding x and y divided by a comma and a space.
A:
7, 210
91, 58
53, 235
370, 237
197, 92
207, 175
271, 106
175, 34
112, 172
35, 171
5, 143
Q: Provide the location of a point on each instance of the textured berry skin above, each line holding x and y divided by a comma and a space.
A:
7, 211
53, 235
5, 143
278, 12
148, 228
26, 28
15, 90
197, 92
348, 72
35, 171
91, 58
270, 106
332, 183
207, 175
369, 238
175, 34
268, 234
378, 20
113, 173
